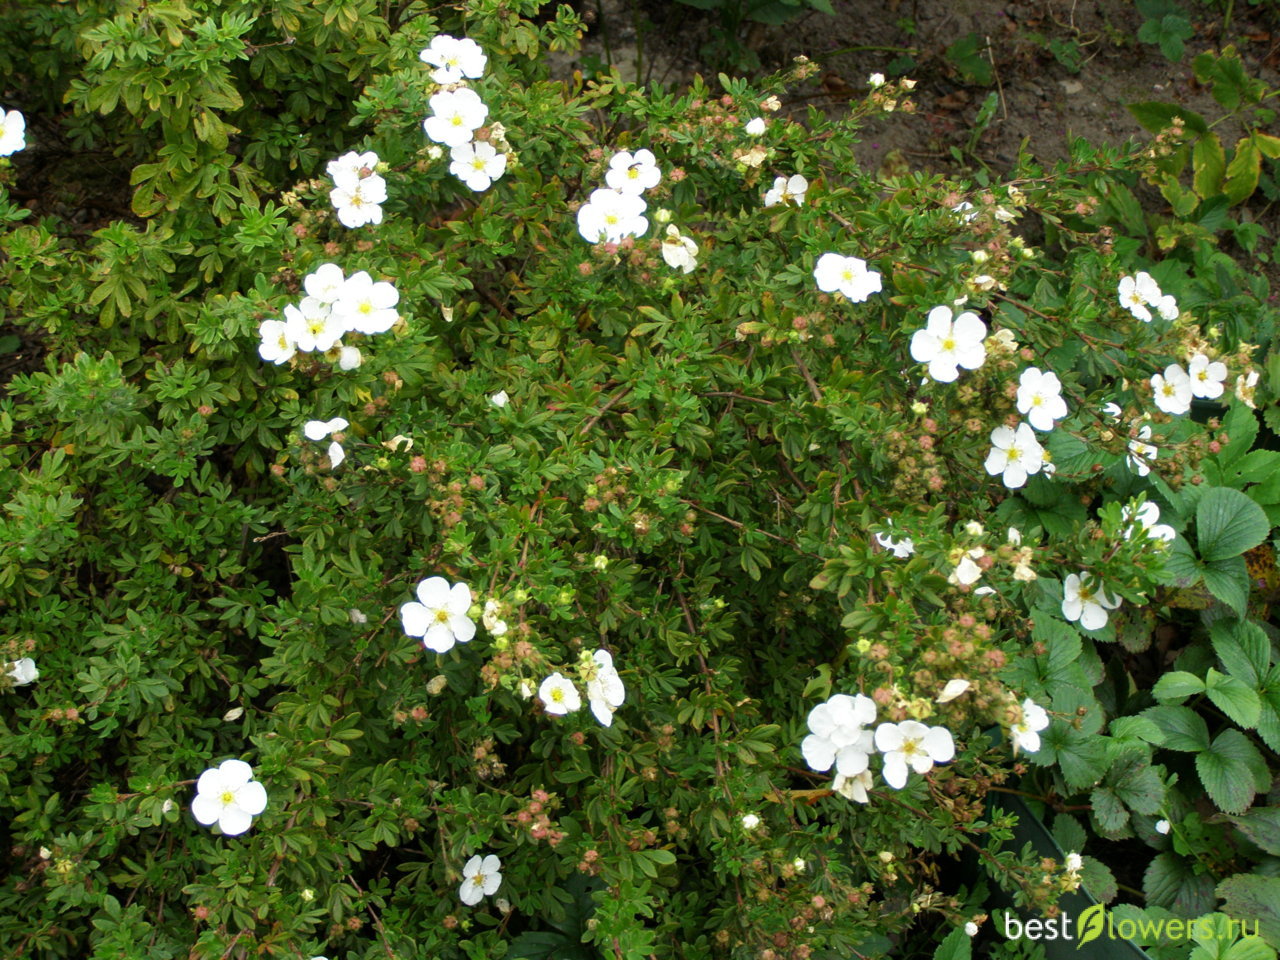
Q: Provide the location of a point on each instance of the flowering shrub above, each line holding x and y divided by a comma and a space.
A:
861, 507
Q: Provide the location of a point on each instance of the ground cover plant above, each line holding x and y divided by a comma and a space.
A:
457, 513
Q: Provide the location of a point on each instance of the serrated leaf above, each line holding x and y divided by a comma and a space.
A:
1210, 162
1177, 685
1243, 172
1262, 826
1171, 882
1234, 698
1251, 897
1228, 580
1227, 524
1243, 648
1227, 771
1184, 729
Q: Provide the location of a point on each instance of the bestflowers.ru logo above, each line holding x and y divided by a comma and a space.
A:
1095, 923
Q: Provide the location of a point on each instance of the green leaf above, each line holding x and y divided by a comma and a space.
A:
1209, 162
1177, 685
958, 945
1228, 523
1156, 116
1262, 826
1109, 812
1243, 648
1243, 171
1234, 698
1228, 580
1171, 882
1255, 898
1184, 729
1227, 771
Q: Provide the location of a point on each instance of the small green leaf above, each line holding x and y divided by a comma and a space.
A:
1234, 698
1184, 729
1177, 685
1227, 771
1228, 523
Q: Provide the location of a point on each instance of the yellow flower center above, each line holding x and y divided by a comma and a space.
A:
948, 345
1037, 400
1168, 389
366, 307
477, 163
1013, 454
633, 172
456, 120
315, 326
227, 798
557, 694
284, 342
610, 218
910, 747
847, 276
442, 616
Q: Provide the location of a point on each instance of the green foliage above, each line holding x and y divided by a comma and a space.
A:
693, 470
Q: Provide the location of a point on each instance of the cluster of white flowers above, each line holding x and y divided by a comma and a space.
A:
358, 192
13, 132
23, 671
229, 796
847, 276
1148, 518
1140, 292
457, 112
318, 430
605, 691
787, 190
440, 614
1175, 388
334, 305
840, 735
617, 210
1085, 601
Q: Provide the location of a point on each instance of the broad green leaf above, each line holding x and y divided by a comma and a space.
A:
1171, 882
1177, 685
1227, 771
1262, 826
1228, 580
1155, 116
1243, 171
1227, 524
1234, 698
1254, 898
1209, 162
1184, 729
958, 945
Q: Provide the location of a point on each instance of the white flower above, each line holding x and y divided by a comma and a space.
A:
632, 173
1040, 398
1173, 391
799, 864
854, 788
1138, 293
914, 745
349, 358
1083, 601
357, 617
336, 455
1112, 410
974, 529
605, 691
455, 116
319, 429
903, 547
490, 616
229, 796
1149, 516
1025, 734
946, 345
453, 59
277, 344
951, 690
1162, 826
967, 571
1168, 307
439, 616
325, 283
608, 216
477, 164
166, 807
13, 127
232, 715
23, 671
962, 208
1246, 387
1206, 377
499, 399
679, 251
875, 80
838, 736
755, 127
750, 821
1073, 863
848, 276
480, 878
1140, 452
365, 306
527, 689
312, 325
1014, 453
351, 167
559, 695
358, 202
787, 190
971, 929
